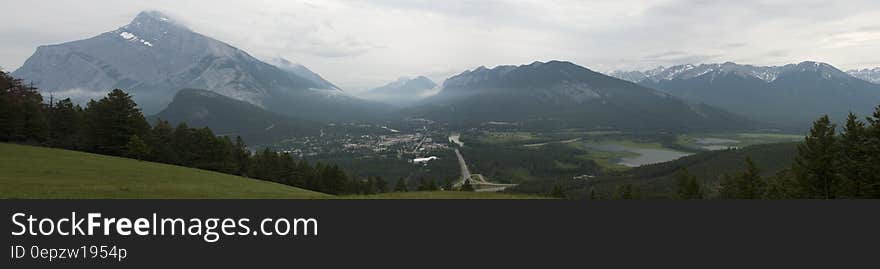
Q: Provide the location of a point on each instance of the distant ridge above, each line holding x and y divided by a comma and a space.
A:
560, 94
791, 95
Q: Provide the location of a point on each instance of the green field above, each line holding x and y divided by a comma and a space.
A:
35, 172
738, 139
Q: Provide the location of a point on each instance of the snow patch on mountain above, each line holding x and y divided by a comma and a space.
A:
767, 74
869, 75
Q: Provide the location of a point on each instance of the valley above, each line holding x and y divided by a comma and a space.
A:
500, 156
169, 94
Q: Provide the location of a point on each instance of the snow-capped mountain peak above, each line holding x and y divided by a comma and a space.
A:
765, 73
869, 75
154, 56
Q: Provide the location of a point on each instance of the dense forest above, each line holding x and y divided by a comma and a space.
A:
826, 165
115, 126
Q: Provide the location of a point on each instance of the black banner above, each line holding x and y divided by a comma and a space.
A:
456, 233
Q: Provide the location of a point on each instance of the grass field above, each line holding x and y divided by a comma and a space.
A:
738, 139
35, 172
494, 138
28, 172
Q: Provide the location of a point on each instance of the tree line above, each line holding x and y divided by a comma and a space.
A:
828, 165
115, 126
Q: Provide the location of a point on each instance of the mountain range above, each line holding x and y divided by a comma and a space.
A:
403, 92
154, 56
789, 96
560, 94
869, 75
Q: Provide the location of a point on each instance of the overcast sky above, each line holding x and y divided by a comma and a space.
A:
362, 44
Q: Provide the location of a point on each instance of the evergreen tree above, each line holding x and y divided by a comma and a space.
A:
427, 185
112, 121
400, 186
558, 191
854, 159
22, 115
688, 186
626, 192
162, 143
381, 185
815, 166
65, 122
242, 157
136, 148
872, 152
782, 186
747, 185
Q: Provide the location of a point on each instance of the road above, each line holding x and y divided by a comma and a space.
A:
465, 172
480, 183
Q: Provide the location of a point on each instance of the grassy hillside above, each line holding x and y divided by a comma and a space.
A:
35, 172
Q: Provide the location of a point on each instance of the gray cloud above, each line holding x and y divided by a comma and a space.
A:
363, 44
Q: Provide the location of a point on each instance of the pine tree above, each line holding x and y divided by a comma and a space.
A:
112, 121
782, 186
750, 183
626, 192
136, 148
558, 191
854, 160
688, 187
872, 151
242, 157
65, 122
400, 186
816, 166
162, 143
22, 115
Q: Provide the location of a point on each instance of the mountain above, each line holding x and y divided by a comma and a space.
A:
402, 92
154, 56
302, 71
790, 96
564, 95
869, 75
227, 116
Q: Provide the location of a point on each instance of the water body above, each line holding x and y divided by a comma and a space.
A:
646, 156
